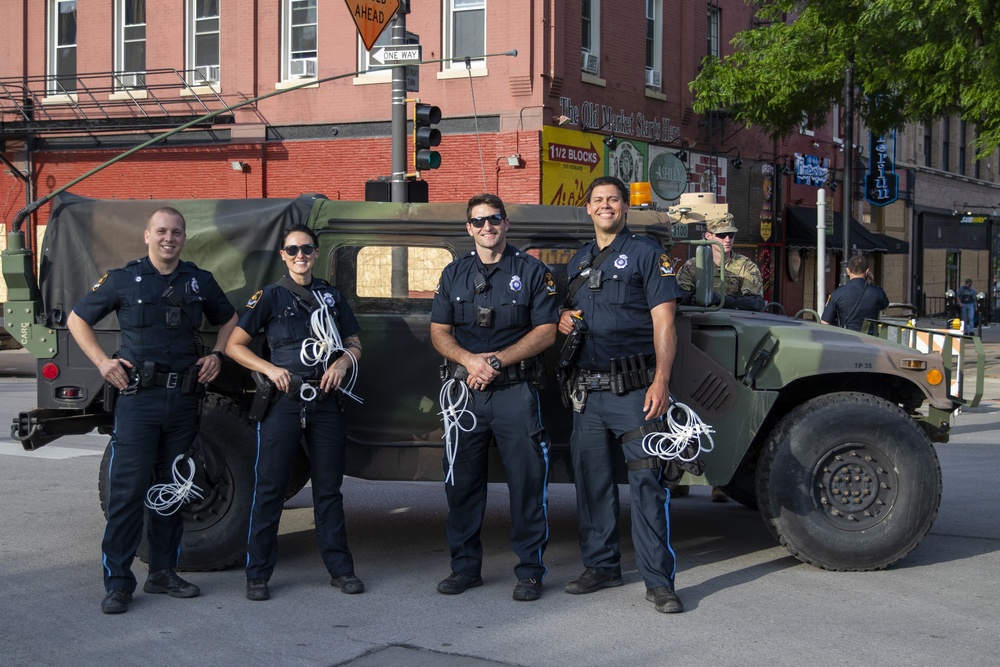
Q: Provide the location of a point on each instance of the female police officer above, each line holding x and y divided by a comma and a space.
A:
308, 323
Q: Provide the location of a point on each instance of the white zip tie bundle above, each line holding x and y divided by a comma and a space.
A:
318, 350
165, 499
685, 437
453, 408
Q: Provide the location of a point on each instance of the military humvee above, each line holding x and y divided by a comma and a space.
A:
828, 432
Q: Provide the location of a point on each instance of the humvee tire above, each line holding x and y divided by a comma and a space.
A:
215, 528
848, 482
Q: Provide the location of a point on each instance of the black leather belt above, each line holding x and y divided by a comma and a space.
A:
168, 380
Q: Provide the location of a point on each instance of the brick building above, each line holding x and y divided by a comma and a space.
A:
592, 90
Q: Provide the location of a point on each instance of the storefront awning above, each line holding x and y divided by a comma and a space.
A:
801, 226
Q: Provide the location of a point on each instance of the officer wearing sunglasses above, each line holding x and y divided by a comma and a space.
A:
307, 405
744, 288
494, 312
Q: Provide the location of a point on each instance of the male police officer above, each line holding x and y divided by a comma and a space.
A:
494, 312
859, 300
159, 370
627, 297
744, 288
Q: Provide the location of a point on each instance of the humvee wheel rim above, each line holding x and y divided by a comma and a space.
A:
856, 487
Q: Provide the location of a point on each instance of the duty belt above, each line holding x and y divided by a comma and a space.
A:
509, 375
618, 382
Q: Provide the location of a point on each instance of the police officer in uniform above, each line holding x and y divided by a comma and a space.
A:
627, 300
967, 297
160, 371
744, 288
859, 300
308, 403
494, 312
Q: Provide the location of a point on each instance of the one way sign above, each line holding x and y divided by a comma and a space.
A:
391, 56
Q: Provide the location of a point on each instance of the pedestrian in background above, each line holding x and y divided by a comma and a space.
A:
967, 297
859, 300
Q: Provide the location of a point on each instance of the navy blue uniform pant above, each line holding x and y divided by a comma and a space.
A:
511, 415
593, 449
152, 427
279, 437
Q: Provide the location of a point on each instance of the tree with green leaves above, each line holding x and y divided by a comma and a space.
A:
912, 61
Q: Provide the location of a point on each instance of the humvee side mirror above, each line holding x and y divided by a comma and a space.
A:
704, 275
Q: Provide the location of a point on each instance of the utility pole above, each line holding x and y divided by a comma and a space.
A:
848, 166
398, 128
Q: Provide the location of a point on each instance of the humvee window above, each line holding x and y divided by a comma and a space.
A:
389, 279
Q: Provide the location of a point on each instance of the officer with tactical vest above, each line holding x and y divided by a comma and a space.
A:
159, 373
314, 347
622, 286
494, 313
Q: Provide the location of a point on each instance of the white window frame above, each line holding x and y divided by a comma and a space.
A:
385, 39
127, 77
714, 31
451, 10
286, 40
654, 59
836, 129
196, 27
804, 126
54, 88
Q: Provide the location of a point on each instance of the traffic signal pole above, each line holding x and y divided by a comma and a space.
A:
398, 128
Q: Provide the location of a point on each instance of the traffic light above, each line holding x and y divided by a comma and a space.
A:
426, 137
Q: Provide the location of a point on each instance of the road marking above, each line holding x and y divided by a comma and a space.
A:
47, 452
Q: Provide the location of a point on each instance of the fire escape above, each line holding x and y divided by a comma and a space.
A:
102, 103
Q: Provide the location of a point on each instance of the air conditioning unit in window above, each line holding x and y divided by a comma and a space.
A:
591, 63
132, 80
652, 78
206, 74
302, 68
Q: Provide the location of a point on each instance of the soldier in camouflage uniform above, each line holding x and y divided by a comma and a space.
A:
744, 289
744, 285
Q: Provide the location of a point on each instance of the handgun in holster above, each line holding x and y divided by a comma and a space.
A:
267, 393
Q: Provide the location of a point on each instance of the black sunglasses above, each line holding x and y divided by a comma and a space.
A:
725, 235
494, 220
293, 250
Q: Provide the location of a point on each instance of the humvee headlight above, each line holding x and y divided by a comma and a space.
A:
934, 377
913, 364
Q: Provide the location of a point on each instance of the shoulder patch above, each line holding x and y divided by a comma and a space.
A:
99, 283
550, 283
666, 268
255, 298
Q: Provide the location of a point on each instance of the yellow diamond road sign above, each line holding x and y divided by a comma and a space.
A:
371, 17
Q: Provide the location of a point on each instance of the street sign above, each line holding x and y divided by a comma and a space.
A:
412, 79
395, 55
371, 17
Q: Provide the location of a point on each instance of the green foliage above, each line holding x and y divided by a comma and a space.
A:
912, 60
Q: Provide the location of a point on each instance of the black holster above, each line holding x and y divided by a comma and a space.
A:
266, 394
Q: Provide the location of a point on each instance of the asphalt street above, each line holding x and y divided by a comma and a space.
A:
748, 602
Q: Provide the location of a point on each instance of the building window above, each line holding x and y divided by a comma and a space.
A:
299, 39
62, 50
654, 42
591, 37
961, 147
714, 24
946, 143
385, 39
203, 41
928, 138
130, 43
836, 126
976, 171
466, 32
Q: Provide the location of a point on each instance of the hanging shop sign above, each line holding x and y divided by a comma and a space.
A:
881, 180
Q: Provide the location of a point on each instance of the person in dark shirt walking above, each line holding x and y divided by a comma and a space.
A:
859, 300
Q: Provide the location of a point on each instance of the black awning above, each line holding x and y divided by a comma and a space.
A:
801, 230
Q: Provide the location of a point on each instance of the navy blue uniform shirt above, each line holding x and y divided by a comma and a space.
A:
519, 289
136, 290
285, 320
851, 304
637, 277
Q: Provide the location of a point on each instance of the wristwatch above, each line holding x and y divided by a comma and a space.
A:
218, 354
495, 362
